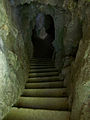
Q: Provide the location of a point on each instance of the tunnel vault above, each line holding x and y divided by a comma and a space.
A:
69, 49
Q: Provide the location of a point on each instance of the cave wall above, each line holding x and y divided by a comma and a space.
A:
80, 77
76, 67
13, 58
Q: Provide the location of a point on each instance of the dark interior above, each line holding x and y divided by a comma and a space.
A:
43, 48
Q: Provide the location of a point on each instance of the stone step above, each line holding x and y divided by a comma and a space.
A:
43, 103
41, 67
31, 75
40, 59
41, 63
44, 79
44, 61
30, 114
43, 70
44, 85
59, 92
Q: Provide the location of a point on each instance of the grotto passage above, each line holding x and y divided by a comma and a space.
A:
44, 59
43, 35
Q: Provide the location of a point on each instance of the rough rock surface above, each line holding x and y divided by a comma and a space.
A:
80, 76
13, 66
77, 76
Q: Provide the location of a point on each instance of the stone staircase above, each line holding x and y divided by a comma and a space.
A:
44, 96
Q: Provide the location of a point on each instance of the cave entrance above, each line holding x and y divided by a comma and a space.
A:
43, 35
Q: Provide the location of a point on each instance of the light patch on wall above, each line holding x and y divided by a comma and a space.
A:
87, 53
1, 44
3, 74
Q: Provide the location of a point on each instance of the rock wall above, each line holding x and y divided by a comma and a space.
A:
13, 59
80, 77
76, 68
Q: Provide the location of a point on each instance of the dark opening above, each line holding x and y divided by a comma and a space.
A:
76, 1
42, 36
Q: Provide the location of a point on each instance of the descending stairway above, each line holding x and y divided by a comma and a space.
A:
44, 96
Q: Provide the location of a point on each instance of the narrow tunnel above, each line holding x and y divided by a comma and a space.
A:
44, 60
42, 36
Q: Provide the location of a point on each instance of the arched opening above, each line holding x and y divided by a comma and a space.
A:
43, 35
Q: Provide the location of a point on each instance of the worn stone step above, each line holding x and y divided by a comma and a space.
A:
31, 75
30, 114
43, 70
57, 84
40, 59
59, 92
44, 61
41, 62
44, 79
43, 103
41, 67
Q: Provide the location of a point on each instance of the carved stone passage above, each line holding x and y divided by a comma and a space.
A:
45, 59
